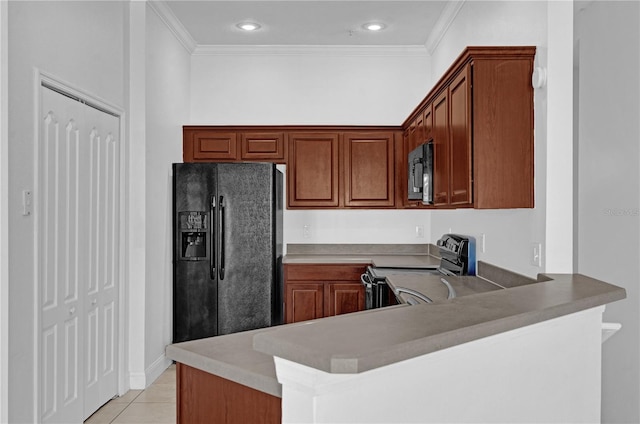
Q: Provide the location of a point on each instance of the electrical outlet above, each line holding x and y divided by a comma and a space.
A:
419, 231
306, 231
483, 240
536, 254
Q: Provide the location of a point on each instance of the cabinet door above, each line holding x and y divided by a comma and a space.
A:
304, 301
209, 145
312, 179
428, 122
267, 146
343, 298
207, 398
369, 169
441, 150
416, 132
503, 124
460, 152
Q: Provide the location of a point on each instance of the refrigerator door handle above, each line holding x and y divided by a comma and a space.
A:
212, 226
222, 236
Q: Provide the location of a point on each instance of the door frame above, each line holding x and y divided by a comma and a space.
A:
42, 79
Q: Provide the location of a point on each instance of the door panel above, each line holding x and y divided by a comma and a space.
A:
313, 170
101, 294
77, 217
195, 313
246, 291
461, 188
369, 169
344, 298
304, 301
441, 149
61, 351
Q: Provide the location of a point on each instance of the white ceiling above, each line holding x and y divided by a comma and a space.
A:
308, 22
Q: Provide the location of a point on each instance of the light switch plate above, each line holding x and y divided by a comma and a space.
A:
27, 202
536, 254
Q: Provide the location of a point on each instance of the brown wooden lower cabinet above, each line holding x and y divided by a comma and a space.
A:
304, 301
207, 398
344, 298
322, 290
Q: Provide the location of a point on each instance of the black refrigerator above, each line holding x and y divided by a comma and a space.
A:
227, 254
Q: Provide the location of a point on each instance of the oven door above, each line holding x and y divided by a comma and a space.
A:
377, 291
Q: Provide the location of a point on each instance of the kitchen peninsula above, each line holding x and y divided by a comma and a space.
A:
530, 352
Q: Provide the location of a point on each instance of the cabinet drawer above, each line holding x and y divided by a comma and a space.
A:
264, 145
325, 272
204, 145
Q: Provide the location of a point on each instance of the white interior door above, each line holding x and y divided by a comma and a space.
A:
101, 292
77, 257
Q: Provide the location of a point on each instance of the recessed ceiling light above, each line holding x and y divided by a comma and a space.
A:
374, 26
248, 26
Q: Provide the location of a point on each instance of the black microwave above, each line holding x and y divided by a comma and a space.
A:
421, 173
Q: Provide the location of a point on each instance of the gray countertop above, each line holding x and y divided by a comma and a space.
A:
381, 255
401, 261
359, 342
362, 341
232, 357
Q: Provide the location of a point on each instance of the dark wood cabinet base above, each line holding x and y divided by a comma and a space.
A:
208, 398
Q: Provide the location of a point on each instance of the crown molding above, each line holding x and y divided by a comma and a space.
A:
186, 40
175, 26
310, 50
443, 23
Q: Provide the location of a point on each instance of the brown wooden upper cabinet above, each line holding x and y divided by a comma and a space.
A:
369, 169
441, 158
313, 170
460, 181
230, 144
480, 118
352, 169
262, 146
202, 144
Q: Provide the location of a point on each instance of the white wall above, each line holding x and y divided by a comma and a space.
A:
167, 109
317, 87
508, 233
78, 42
608, 143
4, 222
548, 372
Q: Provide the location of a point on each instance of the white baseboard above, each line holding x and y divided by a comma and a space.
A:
140, 381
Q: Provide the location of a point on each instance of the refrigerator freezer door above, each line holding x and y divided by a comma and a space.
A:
247, 292
194, 292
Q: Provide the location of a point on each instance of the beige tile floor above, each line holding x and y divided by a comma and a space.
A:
155, 404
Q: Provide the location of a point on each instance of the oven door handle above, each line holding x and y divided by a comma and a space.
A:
368, 291
452, 291
364, 278
413, 293
446, 272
